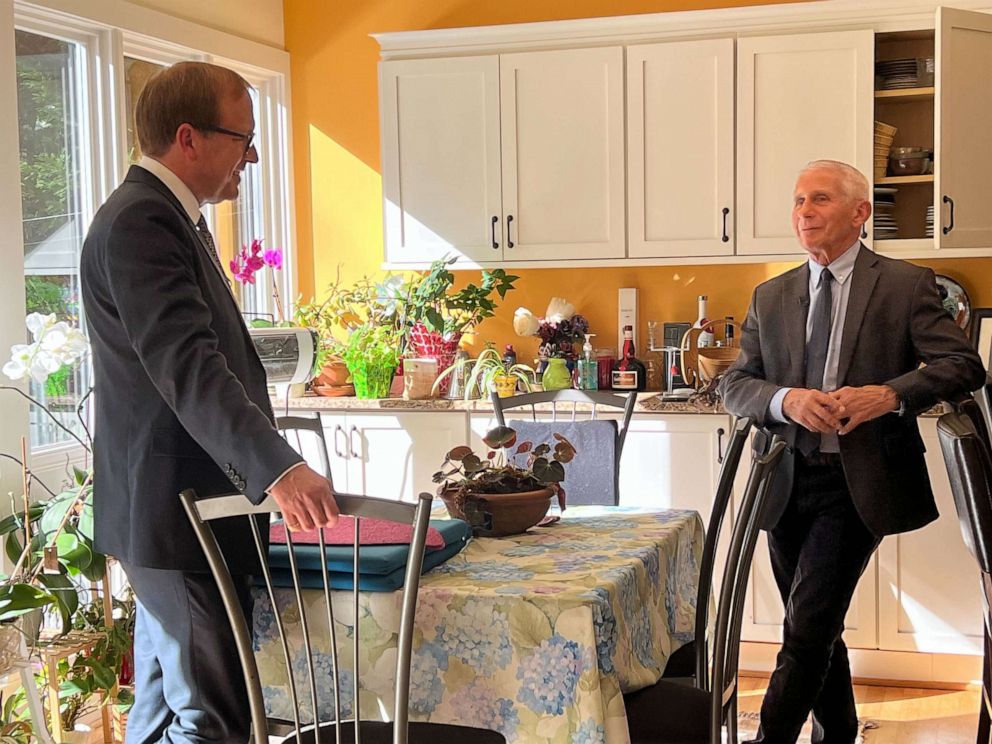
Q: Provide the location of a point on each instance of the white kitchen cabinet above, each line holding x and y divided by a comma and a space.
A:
800, 97
516, 157
930, 596
963, 159
680, 149
561, 119
440, 159
390, 455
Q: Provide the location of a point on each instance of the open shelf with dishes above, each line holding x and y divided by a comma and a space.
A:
904, 139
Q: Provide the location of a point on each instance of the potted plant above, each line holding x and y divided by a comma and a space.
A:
488, 373
51, 542
372, 354
437, 316
344, 310
506, 492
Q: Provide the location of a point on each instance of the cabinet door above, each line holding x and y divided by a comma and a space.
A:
801, 97
763, 613
336, 438
930, 596
680, 148
440, 158
964, 119
563, 154
393, 456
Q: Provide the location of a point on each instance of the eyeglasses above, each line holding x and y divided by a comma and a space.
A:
248, 138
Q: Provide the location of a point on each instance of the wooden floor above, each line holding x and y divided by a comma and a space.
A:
905, 715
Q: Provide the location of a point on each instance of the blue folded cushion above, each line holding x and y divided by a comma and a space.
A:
381, 567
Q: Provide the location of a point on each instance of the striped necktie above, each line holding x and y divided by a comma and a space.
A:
208, 240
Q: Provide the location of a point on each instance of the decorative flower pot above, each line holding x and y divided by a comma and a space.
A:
506, 386
427, 344
556, 376
334, 373
372, 380
499, 514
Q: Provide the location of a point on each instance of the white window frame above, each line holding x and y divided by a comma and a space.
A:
111, 29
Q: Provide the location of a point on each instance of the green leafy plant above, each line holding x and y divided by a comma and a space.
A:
463, 473
372, 354
486, 369
433, 303
15, 726
346, 308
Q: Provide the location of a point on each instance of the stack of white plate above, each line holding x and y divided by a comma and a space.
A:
885, 227
897, 73
929, 227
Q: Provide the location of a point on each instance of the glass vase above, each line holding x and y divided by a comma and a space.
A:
372, 380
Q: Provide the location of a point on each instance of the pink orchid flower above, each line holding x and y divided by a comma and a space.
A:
273, 258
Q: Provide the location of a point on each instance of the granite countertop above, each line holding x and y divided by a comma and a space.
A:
646, 403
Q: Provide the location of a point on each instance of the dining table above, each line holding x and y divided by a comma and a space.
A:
535, 635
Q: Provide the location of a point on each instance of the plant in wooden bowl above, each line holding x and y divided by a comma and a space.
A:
510, 489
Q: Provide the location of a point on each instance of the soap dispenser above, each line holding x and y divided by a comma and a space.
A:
588, 368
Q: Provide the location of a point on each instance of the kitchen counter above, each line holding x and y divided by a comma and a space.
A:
646, 403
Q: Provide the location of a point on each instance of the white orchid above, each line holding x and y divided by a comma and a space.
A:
559, 309
55, 344
524, 322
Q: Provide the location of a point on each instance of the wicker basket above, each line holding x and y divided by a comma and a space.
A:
700, 365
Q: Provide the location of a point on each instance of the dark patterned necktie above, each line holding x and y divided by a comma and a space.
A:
208, 240
816, 354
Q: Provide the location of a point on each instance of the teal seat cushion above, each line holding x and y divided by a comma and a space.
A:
381, 567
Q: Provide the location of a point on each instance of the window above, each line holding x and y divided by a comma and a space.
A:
77, 81
51, 138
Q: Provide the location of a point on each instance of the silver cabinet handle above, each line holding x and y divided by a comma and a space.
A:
337, 430
351, 442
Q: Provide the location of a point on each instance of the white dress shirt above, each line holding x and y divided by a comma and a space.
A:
842, 268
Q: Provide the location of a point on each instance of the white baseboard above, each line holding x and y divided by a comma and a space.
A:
889, 666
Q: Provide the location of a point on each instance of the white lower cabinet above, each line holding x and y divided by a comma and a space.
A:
390, 455
930, 596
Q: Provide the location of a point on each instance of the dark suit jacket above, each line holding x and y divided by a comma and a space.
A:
894, 321
180, 394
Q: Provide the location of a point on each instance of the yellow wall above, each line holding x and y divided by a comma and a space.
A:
338, 186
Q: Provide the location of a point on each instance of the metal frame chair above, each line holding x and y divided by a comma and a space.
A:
967, 455
601, 398
672, 713
691, 661
203, 512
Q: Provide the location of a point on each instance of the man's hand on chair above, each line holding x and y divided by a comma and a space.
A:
306, 499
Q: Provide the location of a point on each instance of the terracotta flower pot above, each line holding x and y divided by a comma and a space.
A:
334, 373
432, 345
499, 514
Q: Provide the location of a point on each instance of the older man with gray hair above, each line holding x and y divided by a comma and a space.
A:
838, 356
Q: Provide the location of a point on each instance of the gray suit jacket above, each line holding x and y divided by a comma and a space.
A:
180, 394
895, 320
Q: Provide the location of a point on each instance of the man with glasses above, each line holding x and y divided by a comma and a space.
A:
181, 402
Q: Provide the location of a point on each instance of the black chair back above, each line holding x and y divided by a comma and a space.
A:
969, 467
730, 611
594, 398
721, 500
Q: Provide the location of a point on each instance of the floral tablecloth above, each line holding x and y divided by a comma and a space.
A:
533, 635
